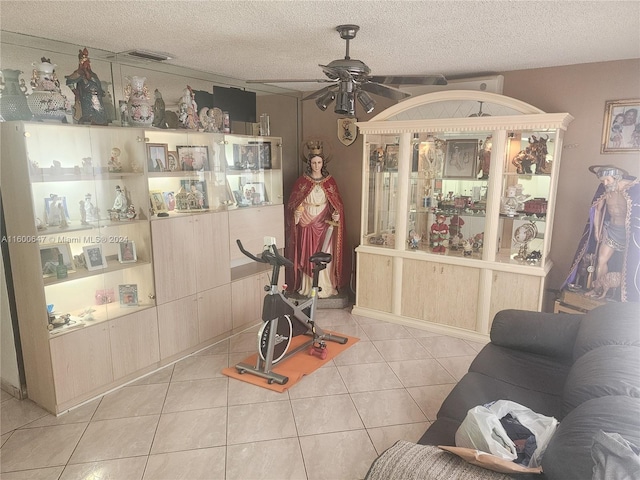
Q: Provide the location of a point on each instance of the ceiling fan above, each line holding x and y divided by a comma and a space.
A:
350, 80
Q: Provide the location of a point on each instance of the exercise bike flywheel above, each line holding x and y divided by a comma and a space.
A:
282, 339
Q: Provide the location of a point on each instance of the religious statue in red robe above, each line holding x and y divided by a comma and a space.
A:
315, 222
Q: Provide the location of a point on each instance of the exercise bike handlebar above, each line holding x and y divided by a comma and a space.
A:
270, 256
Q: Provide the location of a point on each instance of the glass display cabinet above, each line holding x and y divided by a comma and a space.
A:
79, 243
254, 170
458, 211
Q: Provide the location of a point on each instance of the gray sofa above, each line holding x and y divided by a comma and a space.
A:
584, 370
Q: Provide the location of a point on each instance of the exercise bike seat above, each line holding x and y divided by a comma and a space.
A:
320, 258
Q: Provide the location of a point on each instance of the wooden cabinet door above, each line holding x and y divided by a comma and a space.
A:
440, 293
81, 361
134, 342
375, 275
174, 256
177, 326
211, 242
514, 290
214, 313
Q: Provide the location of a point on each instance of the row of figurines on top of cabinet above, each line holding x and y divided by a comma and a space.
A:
457, 158
93, 104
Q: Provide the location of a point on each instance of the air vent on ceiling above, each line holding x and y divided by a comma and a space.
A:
147, 55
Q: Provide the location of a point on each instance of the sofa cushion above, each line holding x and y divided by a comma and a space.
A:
608, 370
568, 455
541, 333
616, 323
521, 369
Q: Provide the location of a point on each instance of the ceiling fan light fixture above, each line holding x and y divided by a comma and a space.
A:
366, 101
325, 100
345, 101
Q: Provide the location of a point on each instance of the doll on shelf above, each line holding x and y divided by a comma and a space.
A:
439, 235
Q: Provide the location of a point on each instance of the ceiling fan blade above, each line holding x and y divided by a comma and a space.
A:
384, 91
288, 80
409, 79
319, 93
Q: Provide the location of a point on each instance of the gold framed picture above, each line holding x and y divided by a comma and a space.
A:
621, 126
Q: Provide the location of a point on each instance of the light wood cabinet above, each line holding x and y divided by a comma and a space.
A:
81, 362
179, 295
214, 312
247, 295
134, 344
178, 326
457, 211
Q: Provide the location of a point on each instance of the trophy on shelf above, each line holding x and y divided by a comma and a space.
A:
522, 236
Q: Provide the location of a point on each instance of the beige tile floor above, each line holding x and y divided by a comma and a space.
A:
188, 421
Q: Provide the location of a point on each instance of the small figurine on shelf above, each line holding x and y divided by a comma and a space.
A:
88, 212
131, 212
159, 112
467, 248
86, 86
114, 165
439, 235
87, 165
414, 239
120, 205
188, 110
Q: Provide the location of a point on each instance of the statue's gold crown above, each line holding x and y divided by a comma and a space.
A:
315, 147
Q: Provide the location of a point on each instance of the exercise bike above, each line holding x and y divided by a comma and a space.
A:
284, 319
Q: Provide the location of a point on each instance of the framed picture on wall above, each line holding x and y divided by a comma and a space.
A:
621, 129
460, 160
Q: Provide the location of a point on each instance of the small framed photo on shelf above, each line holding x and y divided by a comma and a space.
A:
170, 200
245, 156
50, 255
55, 210
157, 157
460, 160
128, 295
621, 130
254, 193
173, 163
193, 158
157, 201
94, 257
263, 154
127, 252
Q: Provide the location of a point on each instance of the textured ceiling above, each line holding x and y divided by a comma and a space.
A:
288, 39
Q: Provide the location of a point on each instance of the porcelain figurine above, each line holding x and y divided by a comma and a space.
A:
86, 87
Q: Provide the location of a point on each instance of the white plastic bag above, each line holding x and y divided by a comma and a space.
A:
481, 429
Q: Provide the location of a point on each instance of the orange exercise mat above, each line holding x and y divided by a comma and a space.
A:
294, 367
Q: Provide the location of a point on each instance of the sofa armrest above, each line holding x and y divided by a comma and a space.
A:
549, 334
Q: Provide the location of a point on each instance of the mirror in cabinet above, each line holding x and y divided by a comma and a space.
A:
85, 230
186, 172
382, 192
254, 170
525, 190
